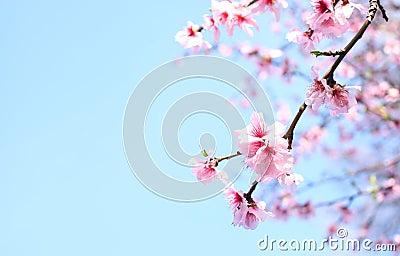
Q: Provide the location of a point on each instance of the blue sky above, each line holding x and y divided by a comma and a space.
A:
67, 69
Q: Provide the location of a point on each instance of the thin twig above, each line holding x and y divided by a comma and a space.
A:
289, 134
228, 157
383, 11
341, 199
327, 53
250, 3
373, 7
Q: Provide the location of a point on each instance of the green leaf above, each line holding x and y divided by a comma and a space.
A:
204, 153
316, 52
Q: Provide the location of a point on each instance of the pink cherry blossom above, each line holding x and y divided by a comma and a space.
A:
392, 48
235, 198
325, 20
264, 62
191, 37
209, 24
353, 114
323, 9
204, 170
245, 214
336, 98
346, 8
346, 70
346, 213
222, 11
223, 177
231, 14
306, 39
290, 178
310, 138
305, 210
255, 213
265, 149
271, 5
225, 50
242, 18
316, 94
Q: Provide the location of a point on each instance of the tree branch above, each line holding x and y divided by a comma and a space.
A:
289, 134
251, 190
328, 53
228, 157
250, 3
373, 7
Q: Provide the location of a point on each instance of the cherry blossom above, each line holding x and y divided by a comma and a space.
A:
316, 94
305, 210
290, 178
331, 20
336, 98
325, 20
307, 39
235, 198
191, 37
311, 138
346, 8
241, 17
265, 149
346, 213
246, 214
209, 24
369, 116
392, 48
204, 170
271, 5
222, 11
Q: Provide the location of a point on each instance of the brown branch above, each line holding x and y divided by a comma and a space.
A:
328, 53
227, 157
383, 11
250, 3
379, 166
341, 177
373, 7
289, 134
350, 198
251, 190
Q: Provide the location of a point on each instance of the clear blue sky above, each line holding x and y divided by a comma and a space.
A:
67, 69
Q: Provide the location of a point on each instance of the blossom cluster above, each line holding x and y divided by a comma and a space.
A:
328, 19
266, 153
262, 146
230, 14
265, 150
247, 213
204, 170
269, 61
337, 98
